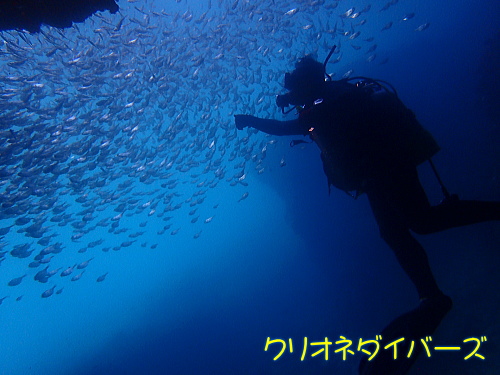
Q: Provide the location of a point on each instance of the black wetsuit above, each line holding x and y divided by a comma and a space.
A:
376, 135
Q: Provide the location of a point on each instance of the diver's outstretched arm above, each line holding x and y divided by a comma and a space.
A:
274, 127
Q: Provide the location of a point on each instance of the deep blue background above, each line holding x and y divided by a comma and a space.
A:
291, 261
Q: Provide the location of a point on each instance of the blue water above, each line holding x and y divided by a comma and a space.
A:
289, 261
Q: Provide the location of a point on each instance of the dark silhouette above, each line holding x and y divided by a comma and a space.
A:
31, 14
371, 143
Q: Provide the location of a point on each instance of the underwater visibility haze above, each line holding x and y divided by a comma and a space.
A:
141, 233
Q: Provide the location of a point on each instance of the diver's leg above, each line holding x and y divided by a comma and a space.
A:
413, 259
409, 253
455, 214
419, 322
406, 195
386, 199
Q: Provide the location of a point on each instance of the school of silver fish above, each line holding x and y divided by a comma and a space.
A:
130, 116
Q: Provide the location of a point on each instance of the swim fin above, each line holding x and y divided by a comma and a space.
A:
412, 326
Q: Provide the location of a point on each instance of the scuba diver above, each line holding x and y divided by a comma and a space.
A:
371, 143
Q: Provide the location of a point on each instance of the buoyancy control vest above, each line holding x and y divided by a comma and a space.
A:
364, 132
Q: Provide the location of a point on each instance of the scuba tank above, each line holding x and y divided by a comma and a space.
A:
410, 141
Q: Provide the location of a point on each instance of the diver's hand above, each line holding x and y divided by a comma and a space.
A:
242, 121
